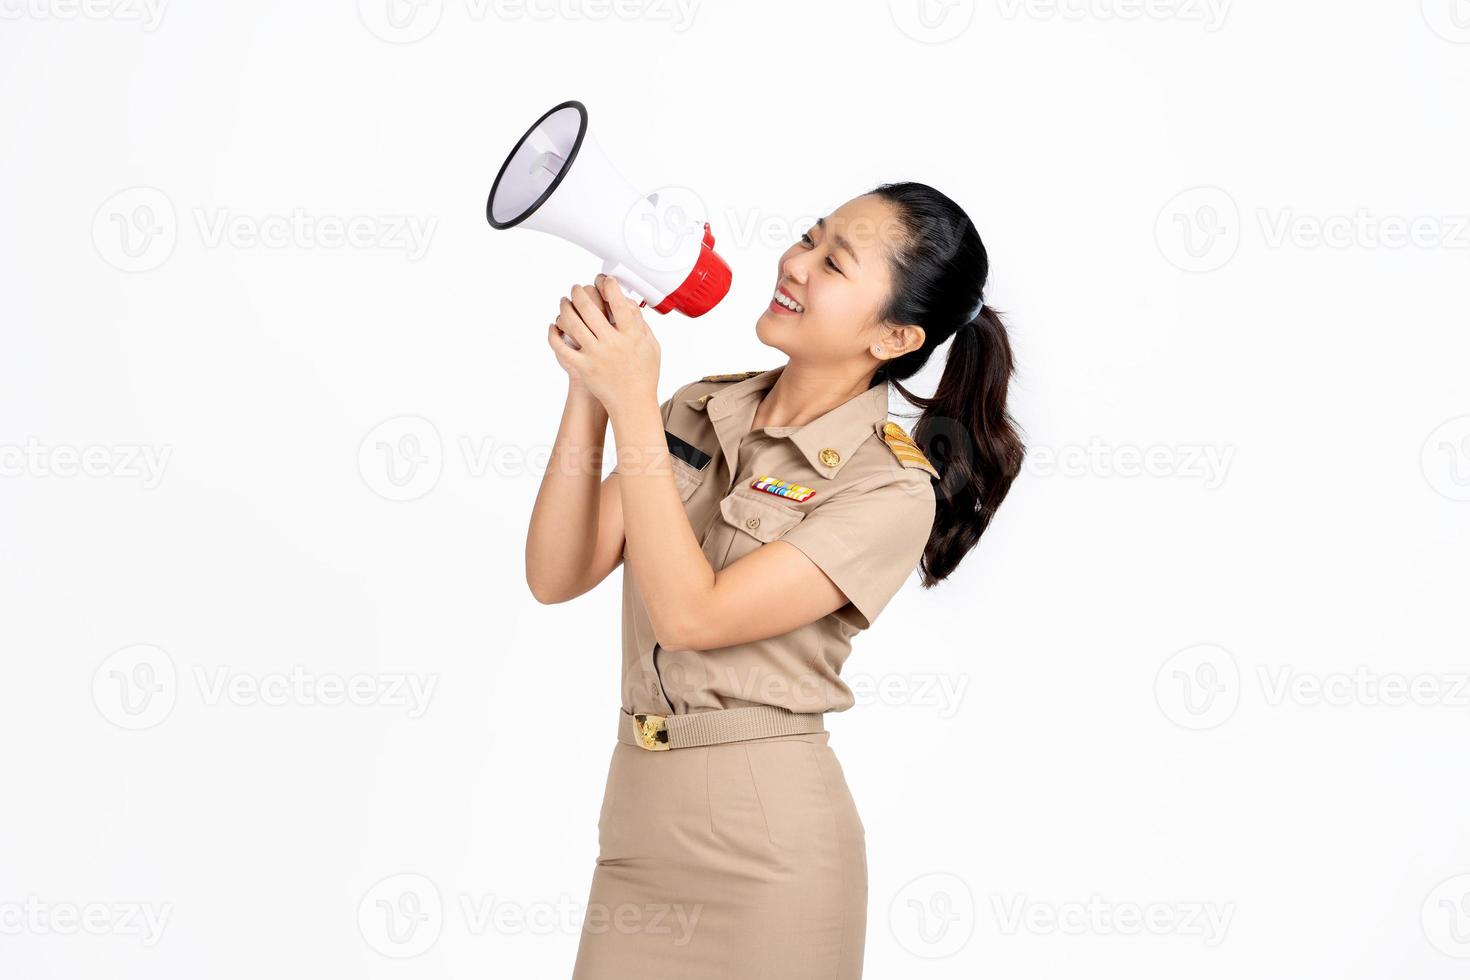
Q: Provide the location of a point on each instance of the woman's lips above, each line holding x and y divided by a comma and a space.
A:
777, 305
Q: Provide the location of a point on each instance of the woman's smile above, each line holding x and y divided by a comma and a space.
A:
784, 302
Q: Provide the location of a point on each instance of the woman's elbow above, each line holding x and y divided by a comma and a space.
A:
543, 596
668, 634
683, 633
698, 620
548, 593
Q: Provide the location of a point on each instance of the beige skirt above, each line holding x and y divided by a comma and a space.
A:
738, 861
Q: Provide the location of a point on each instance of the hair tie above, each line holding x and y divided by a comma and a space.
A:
975, 313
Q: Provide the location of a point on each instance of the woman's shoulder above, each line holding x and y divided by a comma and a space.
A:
888, 472
906, 452
708, 385
737, 376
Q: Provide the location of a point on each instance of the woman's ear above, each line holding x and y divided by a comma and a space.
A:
901, 338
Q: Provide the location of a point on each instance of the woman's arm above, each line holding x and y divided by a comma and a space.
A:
771, 591
619, 365
576, 534
859, 550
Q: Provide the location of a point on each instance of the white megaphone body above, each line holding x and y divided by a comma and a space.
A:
558, 180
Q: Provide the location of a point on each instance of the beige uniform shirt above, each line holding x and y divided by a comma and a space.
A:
865, 527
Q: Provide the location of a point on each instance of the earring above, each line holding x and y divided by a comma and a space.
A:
877, 350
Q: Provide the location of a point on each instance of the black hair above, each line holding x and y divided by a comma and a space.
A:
939, 274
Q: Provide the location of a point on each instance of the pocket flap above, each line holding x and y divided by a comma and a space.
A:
686, 478
762, 519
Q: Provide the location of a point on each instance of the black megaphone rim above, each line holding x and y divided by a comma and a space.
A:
556, 182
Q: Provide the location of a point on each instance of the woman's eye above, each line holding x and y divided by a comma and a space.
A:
806, 239
833, 264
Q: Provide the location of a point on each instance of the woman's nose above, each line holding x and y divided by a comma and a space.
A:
794, 269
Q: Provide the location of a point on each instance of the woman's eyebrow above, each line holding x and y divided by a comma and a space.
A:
841, 242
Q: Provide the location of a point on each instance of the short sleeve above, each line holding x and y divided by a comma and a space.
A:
868, 542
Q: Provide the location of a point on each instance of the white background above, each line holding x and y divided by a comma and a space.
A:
1174, 690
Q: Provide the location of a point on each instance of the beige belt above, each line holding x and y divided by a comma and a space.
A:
659, 732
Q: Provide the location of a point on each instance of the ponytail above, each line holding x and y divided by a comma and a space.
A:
965, 427
968, 433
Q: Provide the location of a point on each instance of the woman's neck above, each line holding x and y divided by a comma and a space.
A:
801, 395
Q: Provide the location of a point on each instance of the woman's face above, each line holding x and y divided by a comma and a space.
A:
839, 276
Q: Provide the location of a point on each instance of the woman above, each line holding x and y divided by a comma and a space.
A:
764, 519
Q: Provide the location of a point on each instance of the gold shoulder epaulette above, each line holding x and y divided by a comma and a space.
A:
737, 376
907, 451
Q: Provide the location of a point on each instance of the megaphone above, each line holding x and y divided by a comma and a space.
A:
559, 181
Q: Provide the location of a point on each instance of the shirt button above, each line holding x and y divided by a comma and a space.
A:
829, 457
752, 522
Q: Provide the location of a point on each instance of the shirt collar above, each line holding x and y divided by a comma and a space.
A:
839, 431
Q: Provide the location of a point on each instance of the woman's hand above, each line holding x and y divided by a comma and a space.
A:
576, 388
618, 363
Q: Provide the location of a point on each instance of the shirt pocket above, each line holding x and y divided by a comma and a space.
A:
690, 464
687, 478
750, 519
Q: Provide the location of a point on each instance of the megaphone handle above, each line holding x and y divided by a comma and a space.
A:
623, 276
631, 295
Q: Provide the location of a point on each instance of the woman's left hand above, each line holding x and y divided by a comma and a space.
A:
618, 361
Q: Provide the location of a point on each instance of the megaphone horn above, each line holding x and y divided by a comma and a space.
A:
558, 180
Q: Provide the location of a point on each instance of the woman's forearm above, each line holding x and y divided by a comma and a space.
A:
663, 553
564, 520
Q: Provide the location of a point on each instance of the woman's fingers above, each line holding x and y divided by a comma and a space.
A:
572, 324
621, 307
588, 303
561, 345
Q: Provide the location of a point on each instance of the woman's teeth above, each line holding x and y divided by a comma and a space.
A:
791, 304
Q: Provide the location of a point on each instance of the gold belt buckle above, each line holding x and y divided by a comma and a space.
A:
652, 731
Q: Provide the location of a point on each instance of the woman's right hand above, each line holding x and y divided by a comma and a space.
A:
559, 341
